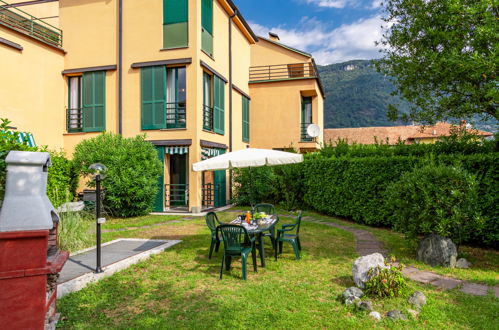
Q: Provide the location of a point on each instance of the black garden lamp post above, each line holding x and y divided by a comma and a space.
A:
99, 171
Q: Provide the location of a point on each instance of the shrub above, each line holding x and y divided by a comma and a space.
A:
62, 179
8, 141
133, 170
436, 199
386, 282
255, 186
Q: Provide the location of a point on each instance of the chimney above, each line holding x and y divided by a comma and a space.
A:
273, 36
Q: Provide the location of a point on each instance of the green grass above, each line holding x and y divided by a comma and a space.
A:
179, 288
123, 223
485, 262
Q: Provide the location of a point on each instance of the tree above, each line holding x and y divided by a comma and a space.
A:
443, 55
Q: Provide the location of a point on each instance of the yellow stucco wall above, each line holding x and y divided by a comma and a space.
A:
267, 53
272, 128
31, 88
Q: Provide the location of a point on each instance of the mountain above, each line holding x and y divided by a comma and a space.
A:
357, 95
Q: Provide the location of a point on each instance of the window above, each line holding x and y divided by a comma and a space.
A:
213, 103
74, 117
175, 23
246, 121
163, 97
86, 102
207, 26
207, 102
306, 117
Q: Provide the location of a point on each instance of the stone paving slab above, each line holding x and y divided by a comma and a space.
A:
116, 255
474, 289
447, 283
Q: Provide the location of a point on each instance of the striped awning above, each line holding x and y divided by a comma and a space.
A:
176, 150
209, 152
25, 138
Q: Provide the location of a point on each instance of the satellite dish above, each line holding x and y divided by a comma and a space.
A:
313, 130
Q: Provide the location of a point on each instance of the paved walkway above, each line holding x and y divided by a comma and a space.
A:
366, 244
119, 254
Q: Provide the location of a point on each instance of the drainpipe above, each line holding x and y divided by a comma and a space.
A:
120, 67
230, 96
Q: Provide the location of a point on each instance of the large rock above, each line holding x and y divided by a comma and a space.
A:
375, 315
352, 292
417, 299
396, 315
463, 263
436, 250
362, 265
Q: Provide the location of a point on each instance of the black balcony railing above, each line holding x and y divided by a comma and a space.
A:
23, 22
304, 137
207, 118
74, 119
175, 115
282, 71
177, 195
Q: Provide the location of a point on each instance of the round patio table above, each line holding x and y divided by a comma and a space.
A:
257, 228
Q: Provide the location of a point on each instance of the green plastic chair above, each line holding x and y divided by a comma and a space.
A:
212, 222
237, 243
269, 209
285, 235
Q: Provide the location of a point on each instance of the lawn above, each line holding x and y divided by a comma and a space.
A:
180, 288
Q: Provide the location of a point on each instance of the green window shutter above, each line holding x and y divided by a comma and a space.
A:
158, 205
94, 101
175, 11
207, 26
245, 116
153, 97
218, 105
207, 15
175, 23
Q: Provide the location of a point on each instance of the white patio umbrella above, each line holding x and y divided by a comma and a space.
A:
250, 157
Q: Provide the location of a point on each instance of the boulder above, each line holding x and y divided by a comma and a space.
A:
413, 312
352, 292
352, 300
365, 305
375, 315
463, 263
436, 250
417, 299
362, 265
396, 315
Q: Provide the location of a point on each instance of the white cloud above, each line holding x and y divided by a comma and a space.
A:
347, 42
376, 4
334, 3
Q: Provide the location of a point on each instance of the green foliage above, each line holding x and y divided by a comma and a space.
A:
62, 179
386, 282
8, 142
437, 199
255, 185
133, 169
75, 231
445, 63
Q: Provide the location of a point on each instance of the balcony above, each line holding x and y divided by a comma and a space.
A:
304, 137
23, 22
207, 118
74, 120
175, 115
282, 72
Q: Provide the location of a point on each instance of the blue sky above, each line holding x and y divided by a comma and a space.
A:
332, 30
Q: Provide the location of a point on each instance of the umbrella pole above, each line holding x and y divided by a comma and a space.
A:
251, 193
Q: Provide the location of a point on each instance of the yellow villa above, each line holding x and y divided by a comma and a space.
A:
190, 74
